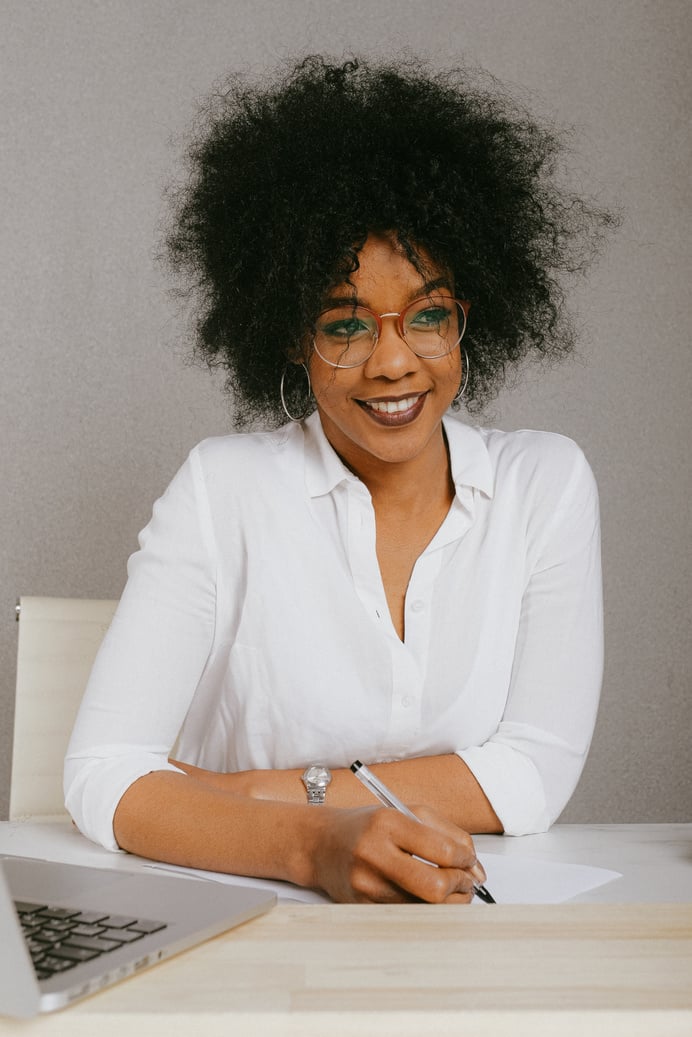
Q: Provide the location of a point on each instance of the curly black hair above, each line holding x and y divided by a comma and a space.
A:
288, 177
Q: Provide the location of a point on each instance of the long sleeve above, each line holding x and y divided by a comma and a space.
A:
530, 766
150, 662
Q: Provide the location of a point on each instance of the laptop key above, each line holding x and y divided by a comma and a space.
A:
25, 907
87, 930
118, 921
124, 935
91, 917
57, 925
147, 926
57, 964
92, 943
48, 936
73, 953
58, 912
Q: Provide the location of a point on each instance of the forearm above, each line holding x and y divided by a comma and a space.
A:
371, 854
182, 820
444, 783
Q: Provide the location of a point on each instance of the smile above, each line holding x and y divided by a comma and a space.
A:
394, 412
392, 406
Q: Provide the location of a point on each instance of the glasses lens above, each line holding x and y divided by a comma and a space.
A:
345, 336
434, 326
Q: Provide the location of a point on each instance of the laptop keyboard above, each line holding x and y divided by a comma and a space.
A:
60, 938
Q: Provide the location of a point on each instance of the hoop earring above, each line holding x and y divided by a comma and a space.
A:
459, 396
292, 417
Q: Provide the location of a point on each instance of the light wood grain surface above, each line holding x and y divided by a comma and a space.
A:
335, 970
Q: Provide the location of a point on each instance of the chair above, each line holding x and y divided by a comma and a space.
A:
58, 641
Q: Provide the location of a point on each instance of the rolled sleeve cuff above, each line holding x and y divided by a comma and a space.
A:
513, 786
94, 787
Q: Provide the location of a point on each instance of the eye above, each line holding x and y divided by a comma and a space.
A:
342, 325
344, 328
429, 319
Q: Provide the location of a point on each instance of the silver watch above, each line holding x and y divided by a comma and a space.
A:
316, 778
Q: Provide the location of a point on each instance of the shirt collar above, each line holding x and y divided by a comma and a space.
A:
468, 453
324, 469
469, 458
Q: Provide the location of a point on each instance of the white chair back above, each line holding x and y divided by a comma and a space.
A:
58, 641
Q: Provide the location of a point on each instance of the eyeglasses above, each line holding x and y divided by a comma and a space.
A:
346, 336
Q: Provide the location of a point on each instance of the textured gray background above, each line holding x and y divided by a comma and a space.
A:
99, 407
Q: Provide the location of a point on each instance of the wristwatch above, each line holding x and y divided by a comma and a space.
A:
316, 778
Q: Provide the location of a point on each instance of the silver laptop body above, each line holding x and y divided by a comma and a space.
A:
191, 910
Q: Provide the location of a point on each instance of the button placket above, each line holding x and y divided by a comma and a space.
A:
407, 685
419, 599
362, 555
408, 661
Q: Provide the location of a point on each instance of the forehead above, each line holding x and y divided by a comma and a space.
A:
387, 267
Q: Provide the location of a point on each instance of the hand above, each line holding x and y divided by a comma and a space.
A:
366, 856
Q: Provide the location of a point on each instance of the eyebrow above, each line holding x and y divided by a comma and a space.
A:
420, 293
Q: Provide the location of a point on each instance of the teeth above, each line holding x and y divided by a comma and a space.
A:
392, 406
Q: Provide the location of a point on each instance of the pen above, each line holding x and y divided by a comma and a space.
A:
387, 797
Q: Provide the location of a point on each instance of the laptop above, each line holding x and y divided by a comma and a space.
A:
68, 931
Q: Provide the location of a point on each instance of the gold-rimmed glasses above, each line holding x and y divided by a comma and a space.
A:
432, 326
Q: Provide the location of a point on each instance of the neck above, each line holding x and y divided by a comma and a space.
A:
412, 483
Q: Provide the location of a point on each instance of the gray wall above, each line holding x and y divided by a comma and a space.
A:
99, 407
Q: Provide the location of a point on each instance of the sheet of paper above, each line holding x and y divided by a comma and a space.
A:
528, 880
285, 891
511, 880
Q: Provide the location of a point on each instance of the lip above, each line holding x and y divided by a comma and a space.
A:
394, 418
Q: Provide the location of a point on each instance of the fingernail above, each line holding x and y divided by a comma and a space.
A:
478, 872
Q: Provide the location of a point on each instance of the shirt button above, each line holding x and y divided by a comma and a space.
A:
407, 702
417, 606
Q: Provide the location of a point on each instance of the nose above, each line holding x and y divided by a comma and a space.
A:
392, 357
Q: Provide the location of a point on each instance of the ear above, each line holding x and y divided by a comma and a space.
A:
297, 354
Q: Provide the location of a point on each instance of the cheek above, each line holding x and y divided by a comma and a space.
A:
329, 385
452, 373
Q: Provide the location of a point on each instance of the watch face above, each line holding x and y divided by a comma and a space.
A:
319, 776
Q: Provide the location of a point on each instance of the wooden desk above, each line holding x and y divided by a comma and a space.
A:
583, 969
412, 970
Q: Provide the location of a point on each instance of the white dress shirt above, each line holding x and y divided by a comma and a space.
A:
254, 626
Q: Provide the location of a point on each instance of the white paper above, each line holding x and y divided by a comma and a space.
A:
285, 891
511, 880
528, 880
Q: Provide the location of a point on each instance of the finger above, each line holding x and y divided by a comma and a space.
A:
441, 824
371, 886
417, 877
408, 880
459, 837
459, 898
442, 843
478, 872
434, 863
383, 865
436, 885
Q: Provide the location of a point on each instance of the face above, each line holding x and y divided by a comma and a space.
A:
388, 410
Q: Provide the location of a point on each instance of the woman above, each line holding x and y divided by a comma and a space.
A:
373, 579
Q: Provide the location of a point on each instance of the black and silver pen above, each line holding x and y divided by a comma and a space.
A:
388, 799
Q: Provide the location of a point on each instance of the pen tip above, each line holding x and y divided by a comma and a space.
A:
356, 766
